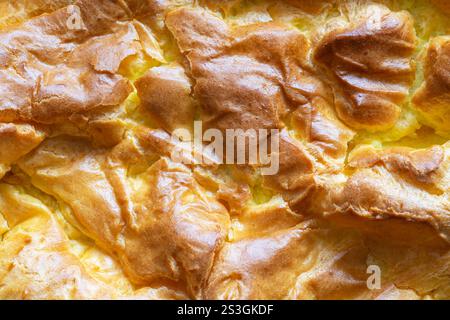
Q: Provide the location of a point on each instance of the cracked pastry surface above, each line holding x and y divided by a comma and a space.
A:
92, 206
371, 62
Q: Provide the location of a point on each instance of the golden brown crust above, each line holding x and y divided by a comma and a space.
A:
229, 68
399, 183
371, 62
246, 269
265, 267
295, 177
94, 206
433, 97
60, 275
225, 63
192, 228
171, 210
442, 4
36, 262
16, 141
166, 93
328, 137
47, 76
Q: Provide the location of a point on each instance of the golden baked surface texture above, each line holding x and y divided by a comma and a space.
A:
93, 205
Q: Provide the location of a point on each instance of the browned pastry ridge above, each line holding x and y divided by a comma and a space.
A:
93, 206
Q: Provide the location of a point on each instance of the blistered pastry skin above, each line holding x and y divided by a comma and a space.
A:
103, 196
371, 62
432, 98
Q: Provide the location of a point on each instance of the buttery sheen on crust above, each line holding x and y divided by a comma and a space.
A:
433, 97
92, 205
371, 62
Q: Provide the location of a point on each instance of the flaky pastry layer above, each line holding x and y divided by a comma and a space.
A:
92, 206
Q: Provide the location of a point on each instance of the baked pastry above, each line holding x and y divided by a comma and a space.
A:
93, 205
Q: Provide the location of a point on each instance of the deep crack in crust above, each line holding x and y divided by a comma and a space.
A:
92, 206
